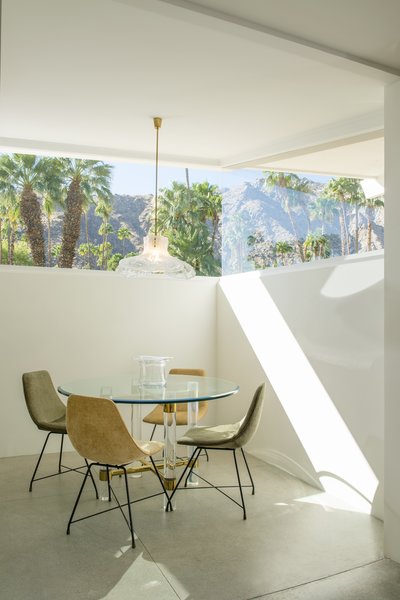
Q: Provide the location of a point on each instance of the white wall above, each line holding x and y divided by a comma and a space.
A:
317, 331
78, 324
392, 322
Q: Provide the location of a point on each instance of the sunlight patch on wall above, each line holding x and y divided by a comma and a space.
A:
324, 435
342, 283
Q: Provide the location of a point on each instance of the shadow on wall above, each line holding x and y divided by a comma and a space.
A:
310, 332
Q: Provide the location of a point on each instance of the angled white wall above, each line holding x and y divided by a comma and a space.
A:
315, 335
78, 324
392, 321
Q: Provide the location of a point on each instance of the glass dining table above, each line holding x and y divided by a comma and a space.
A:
124, 389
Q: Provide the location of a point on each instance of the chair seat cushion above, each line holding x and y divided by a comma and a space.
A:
156, 416
150, 448
221, 436
56, 426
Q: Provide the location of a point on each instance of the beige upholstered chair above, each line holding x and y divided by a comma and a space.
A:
156, 416
48, 413
225, 437
99, 434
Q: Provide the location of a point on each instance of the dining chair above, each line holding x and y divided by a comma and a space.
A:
99, 434
48, 413
156, 416
229, 437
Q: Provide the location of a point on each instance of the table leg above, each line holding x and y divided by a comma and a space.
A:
136, 430
103, 484
193, 410
169, 450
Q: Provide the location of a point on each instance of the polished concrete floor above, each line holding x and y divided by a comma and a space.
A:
294, 544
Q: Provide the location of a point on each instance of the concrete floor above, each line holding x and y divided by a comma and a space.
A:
293, 546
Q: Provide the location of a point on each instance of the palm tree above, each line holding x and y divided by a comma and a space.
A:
370, 205
235, 234
124, 233
209, 198
3, 217
345, 190
28, 176
13, 219
88, 179
104, 210
85, 210
184, 216
288, 186
282, 249
48, 207
316, 246
324, 210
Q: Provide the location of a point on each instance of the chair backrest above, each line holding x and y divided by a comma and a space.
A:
98, 432
250, 422
41, 398
203, 404
199, 372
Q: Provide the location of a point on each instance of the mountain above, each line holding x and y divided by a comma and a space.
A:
249, 210
253, 212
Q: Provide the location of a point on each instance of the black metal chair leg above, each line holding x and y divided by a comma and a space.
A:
39, 459
192, 464
129, 508
240, 485
159, 478
61, 451
152, 433
169, 505
93, 481
78, 498
108, 483
248, 470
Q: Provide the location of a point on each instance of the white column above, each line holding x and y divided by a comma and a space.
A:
392, 322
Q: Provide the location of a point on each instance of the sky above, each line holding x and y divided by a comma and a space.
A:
136, 179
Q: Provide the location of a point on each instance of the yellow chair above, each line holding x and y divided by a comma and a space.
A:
98, 433
156, 416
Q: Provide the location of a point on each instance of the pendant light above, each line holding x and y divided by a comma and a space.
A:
155, 260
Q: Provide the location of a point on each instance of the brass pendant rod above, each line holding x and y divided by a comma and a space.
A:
157, 124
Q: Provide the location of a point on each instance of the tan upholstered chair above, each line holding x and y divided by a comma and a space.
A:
156, 416
48, 413
99, 434
225, 437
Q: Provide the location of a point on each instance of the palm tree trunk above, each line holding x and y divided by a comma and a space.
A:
342, 233
357, 242
31, 217
104, 251
346, 232
369, 232
9, 243
85, 216
298, 243
1, 241
12, 246
49, 240
187, 184
71, 225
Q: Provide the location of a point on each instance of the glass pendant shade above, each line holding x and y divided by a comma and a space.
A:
155, 261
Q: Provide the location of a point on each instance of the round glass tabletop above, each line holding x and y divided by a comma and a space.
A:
126, 389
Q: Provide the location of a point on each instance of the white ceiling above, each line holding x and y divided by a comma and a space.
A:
232, 80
